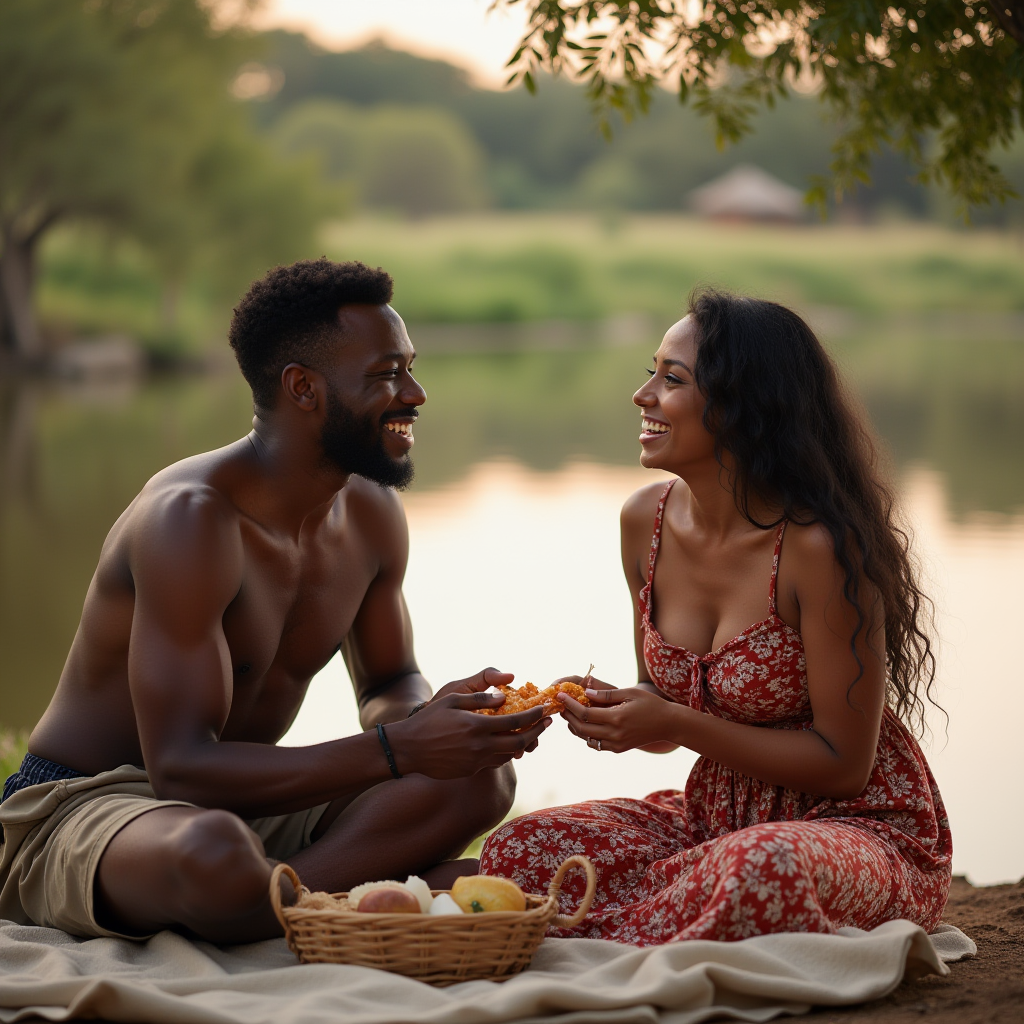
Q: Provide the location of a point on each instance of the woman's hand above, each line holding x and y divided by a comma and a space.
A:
618, 720
588, 682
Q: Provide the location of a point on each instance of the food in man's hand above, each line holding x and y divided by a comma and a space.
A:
443, 904
528, 696
389, 901
477, 894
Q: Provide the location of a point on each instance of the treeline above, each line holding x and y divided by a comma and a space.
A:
365, 113
117, 115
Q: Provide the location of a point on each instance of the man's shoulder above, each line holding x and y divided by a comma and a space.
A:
187, 498
378, 516
368, 500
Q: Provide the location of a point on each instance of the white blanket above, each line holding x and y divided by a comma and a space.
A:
169, 980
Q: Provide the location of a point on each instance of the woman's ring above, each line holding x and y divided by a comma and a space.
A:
595, 744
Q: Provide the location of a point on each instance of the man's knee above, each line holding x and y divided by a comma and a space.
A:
216, 856
495, 793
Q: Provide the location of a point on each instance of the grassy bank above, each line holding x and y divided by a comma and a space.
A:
529, 267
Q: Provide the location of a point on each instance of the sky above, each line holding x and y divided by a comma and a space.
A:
464, 32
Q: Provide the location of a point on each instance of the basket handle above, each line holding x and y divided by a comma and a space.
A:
275, 890
561, 921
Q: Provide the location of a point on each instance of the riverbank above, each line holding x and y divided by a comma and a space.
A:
518, 271
988, 989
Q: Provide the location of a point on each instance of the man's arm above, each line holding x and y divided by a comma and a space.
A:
186, 560
378, 649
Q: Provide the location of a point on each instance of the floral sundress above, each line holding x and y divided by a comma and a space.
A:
731, 856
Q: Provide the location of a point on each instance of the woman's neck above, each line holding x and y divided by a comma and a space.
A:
711, 500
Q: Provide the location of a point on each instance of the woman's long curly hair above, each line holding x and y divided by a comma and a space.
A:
775, 402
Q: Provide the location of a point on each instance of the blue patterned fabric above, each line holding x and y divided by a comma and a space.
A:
34, 770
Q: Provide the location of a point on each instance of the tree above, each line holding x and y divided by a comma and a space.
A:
420, 160
118, 112
940, 80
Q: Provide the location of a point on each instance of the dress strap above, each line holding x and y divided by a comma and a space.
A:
773, 585
656, 536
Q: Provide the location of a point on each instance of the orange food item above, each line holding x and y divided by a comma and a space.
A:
528, 696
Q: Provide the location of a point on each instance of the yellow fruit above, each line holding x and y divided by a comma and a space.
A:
481, 893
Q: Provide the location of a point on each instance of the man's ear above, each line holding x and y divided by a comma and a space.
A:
302, 386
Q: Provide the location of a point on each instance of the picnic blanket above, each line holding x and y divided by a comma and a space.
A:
170, 980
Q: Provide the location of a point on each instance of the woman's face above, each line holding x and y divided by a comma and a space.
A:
672, 433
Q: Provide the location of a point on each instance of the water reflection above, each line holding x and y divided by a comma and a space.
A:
523, 459
520, 569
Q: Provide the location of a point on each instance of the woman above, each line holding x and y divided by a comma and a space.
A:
811, 806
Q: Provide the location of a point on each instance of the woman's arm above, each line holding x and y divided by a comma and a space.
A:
832, 759
635, 525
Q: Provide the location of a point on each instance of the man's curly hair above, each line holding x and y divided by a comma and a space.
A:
291, 316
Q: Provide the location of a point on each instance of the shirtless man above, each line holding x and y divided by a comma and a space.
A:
154, 795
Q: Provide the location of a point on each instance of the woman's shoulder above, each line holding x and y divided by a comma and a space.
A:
808, 558
641, 506
810, 540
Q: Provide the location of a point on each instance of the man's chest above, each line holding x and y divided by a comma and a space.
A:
294, 607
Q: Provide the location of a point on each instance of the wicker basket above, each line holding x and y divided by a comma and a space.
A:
439, 950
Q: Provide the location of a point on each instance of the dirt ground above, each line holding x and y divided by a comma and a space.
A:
988, 989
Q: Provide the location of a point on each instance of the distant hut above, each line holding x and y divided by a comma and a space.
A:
746, 193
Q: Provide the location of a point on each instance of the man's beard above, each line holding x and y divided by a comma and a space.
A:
357, 446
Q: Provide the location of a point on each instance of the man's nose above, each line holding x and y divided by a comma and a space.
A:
413, 393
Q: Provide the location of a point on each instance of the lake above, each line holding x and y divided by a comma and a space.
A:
523, 460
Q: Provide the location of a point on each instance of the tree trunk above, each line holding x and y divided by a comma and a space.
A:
19, 330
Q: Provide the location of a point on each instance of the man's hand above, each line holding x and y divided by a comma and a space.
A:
445, 739
476, 684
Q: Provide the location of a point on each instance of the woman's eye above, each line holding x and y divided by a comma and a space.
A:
672, 378
649, 372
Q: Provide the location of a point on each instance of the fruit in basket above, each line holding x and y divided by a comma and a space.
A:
443, 905
421, 891
477, 894
389, 900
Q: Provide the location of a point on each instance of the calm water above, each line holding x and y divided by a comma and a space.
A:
523, 461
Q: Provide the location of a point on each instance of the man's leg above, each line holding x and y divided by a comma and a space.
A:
407, 826
202, 870
206, 870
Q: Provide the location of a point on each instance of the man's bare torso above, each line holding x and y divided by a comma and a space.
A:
297, 600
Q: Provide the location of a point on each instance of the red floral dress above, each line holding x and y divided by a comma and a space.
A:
732, 856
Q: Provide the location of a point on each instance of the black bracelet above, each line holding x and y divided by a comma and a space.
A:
387, 751
417, 707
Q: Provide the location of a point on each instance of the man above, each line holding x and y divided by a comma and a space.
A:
154, 795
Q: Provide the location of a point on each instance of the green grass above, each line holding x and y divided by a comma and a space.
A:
531, 266
13, 746
525, 267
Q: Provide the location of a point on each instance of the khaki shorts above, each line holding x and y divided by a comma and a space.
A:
56, 832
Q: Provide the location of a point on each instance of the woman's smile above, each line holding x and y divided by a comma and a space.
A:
652, 429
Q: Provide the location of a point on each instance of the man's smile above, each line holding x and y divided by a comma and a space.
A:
400, 427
